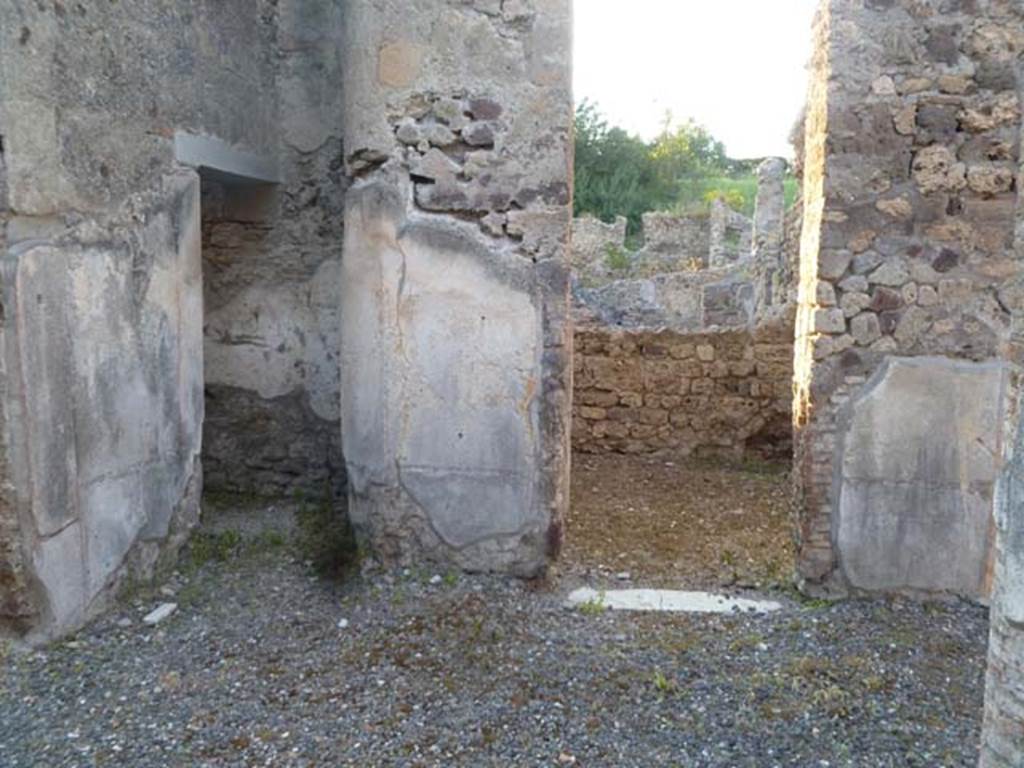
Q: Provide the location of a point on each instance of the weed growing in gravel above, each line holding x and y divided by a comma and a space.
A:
595, 606
325, 537
806, 602
190, 594
207, 547
815, 604
833, 700
217, 500
935, 607
268, 541
746, 642
661, 683
875, 684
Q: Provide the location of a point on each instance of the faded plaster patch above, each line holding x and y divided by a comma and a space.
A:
920, 458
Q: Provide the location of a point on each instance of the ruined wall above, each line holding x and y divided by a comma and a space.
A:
102, 307
272, 261
692, 273
93, 93
598, 249
456, 347
727, 392
14, 598
693, 359
672, 244
730, 235
773, 235
689, 301
906, 291
104, 450
615, 286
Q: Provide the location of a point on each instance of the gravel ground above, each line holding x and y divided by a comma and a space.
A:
267, 663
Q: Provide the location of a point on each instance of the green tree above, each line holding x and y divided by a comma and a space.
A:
687, 149
615, 174
619, 174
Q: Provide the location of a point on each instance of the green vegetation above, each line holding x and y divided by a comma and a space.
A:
595, 606
661, 683
616, 258
206, 547
739, 191
325, 537
682, 170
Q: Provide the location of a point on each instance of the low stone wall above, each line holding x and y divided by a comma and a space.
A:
726, 392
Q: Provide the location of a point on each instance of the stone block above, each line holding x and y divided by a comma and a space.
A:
891, 273
854, 303
828, 321
833, 264
865, 328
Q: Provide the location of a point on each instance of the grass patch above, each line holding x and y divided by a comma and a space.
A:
661, 683
206, 547
268, 541
325, 538
595, 606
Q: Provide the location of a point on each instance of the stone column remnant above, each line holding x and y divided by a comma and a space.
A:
769, 228
456, 347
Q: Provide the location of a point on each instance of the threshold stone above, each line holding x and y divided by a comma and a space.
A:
669, 600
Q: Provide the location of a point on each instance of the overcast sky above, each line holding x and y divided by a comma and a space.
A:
737, 66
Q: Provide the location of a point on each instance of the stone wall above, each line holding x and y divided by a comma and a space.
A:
692, 358
730, 235
271, 340
93, 93
908, 281
102, 329
775, 240
598, 250
686, 301
726, 393
272, 262
693, 272
102, 372
455, 323
671, 244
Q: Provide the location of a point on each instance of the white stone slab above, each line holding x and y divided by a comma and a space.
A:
669, 600
158, 614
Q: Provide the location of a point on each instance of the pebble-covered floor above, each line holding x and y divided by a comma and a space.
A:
690, 523
265, 663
